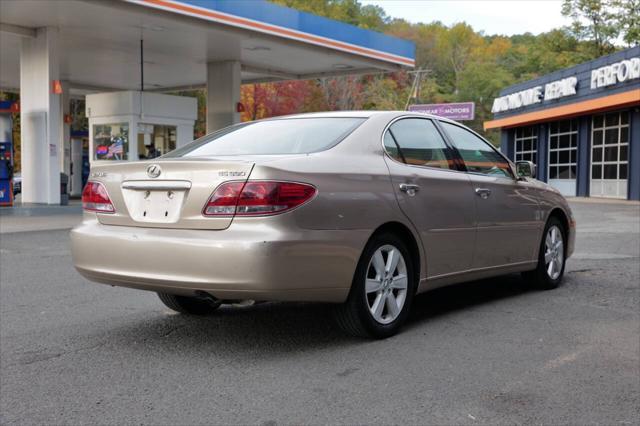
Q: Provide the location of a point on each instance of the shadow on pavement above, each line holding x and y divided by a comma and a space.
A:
271, 329
447, 300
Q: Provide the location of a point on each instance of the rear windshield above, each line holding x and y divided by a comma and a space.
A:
286, 136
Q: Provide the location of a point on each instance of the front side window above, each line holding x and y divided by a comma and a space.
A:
478, 155
416, 141
272, 137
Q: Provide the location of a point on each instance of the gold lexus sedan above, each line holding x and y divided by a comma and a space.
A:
360, 209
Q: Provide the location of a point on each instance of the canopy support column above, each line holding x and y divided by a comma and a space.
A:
40, 118
223, 94
65, 133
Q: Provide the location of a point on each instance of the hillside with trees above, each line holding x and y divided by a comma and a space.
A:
455, 63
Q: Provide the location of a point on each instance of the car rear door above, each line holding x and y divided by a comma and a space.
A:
432, 193
508, 218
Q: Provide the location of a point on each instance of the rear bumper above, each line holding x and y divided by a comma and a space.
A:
260, 261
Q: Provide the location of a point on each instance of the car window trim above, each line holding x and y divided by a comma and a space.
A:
395, 141
489, 144
236, 126
450, 150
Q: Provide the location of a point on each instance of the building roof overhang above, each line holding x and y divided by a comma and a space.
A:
605, 103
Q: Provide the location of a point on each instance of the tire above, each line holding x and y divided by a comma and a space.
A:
547, 276
373, 314
188, 305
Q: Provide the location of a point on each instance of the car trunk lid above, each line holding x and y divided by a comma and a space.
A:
167, 193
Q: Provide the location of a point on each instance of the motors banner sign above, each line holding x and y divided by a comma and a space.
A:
461, 111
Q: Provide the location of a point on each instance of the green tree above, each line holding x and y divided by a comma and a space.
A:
593, 20
348, 11
459, 46
532, 56
627, 17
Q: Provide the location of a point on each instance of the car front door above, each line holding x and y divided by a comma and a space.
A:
508, 217
432, 193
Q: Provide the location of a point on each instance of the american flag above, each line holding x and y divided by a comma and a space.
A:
116, 149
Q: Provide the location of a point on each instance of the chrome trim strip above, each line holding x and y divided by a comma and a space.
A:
486, 268
157, 184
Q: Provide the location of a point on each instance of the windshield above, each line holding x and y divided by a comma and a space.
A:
286, 136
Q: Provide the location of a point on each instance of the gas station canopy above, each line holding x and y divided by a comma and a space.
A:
99, 42
51, 50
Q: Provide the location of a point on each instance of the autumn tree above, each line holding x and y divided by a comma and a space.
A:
342, 93
263, 100
386, 91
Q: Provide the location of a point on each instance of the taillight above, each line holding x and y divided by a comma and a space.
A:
257, 198
96, 199
224, 200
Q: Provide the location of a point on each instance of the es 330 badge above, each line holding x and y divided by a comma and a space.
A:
227, 173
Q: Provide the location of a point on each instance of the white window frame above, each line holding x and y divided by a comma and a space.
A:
619, 184
572, 131
526, 154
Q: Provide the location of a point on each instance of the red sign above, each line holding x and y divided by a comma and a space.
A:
56, 87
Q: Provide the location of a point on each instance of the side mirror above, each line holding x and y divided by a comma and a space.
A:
526, 169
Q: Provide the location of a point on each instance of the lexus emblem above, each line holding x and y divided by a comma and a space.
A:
153, 170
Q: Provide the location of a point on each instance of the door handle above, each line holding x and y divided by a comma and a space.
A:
483, 193
409, 188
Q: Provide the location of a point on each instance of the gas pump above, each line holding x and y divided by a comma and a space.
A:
79, 162
6, 152
6, 174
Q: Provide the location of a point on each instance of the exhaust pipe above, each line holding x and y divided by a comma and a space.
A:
206, 297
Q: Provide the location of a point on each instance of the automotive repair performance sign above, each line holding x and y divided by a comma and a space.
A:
456, 111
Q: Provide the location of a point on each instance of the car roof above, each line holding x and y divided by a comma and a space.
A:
358, 114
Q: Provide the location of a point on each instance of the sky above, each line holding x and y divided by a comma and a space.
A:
505, 17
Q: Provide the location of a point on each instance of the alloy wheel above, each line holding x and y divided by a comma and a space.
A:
554, 252
386, 284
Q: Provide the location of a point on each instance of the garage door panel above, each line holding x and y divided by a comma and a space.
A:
562, 159
609, 155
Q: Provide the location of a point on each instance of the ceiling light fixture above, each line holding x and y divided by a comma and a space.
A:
152, 27
256, 48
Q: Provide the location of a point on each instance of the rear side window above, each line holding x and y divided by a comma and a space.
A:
391, 147
478, 155
285, 136
416, 141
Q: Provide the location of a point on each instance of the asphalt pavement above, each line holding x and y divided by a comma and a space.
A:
488, 352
